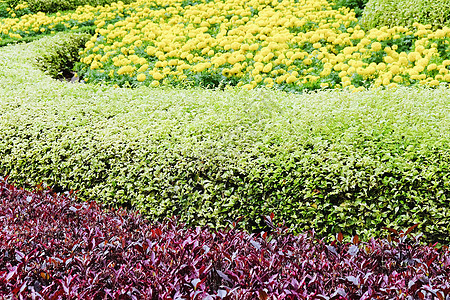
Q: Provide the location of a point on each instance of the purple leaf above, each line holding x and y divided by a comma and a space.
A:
354, 280
255, 244
195, 282
332, 249
11, 274
353, 250
222, 293
224, 276
321, 297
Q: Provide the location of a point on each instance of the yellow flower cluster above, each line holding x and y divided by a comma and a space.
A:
288, 44
32, 24
240, 42
18, 9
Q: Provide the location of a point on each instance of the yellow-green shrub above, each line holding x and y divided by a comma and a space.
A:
60, 52
392, 13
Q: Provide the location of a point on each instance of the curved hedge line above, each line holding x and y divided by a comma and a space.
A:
333, 161
378, 13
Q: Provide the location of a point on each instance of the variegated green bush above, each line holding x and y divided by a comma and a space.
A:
60, 53
378, 13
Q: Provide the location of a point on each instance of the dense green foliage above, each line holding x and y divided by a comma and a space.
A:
3, 9
333, 161
52, 6
356, 5
60, 53
392, 13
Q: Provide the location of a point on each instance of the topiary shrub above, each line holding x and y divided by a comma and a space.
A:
60, 52
378, 13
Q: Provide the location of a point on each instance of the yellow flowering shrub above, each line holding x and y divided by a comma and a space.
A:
291, 45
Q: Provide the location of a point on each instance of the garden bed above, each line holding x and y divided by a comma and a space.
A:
332, 160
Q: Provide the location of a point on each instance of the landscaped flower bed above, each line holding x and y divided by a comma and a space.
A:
289, 45
327, 165
329, 161
51, 246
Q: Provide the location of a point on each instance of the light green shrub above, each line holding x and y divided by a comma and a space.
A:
378, 13
60, 52
331, 161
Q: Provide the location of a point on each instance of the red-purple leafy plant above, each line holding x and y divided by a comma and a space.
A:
52, 247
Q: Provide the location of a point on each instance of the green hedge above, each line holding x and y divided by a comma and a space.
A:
333, 161
60, 52
378, 13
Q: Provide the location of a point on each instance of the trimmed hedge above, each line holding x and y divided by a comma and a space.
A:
332, 161
54, 248
60, 52
378, 13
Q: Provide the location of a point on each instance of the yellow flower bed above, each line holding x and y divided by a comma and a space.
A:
41, 23
291, 45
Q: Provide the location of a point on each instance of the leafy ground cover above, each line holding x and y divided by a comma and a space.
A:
333, 161
289, 45
52, 247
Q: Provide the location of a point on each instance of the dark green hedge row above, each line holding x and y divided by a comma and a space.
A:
333, 161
